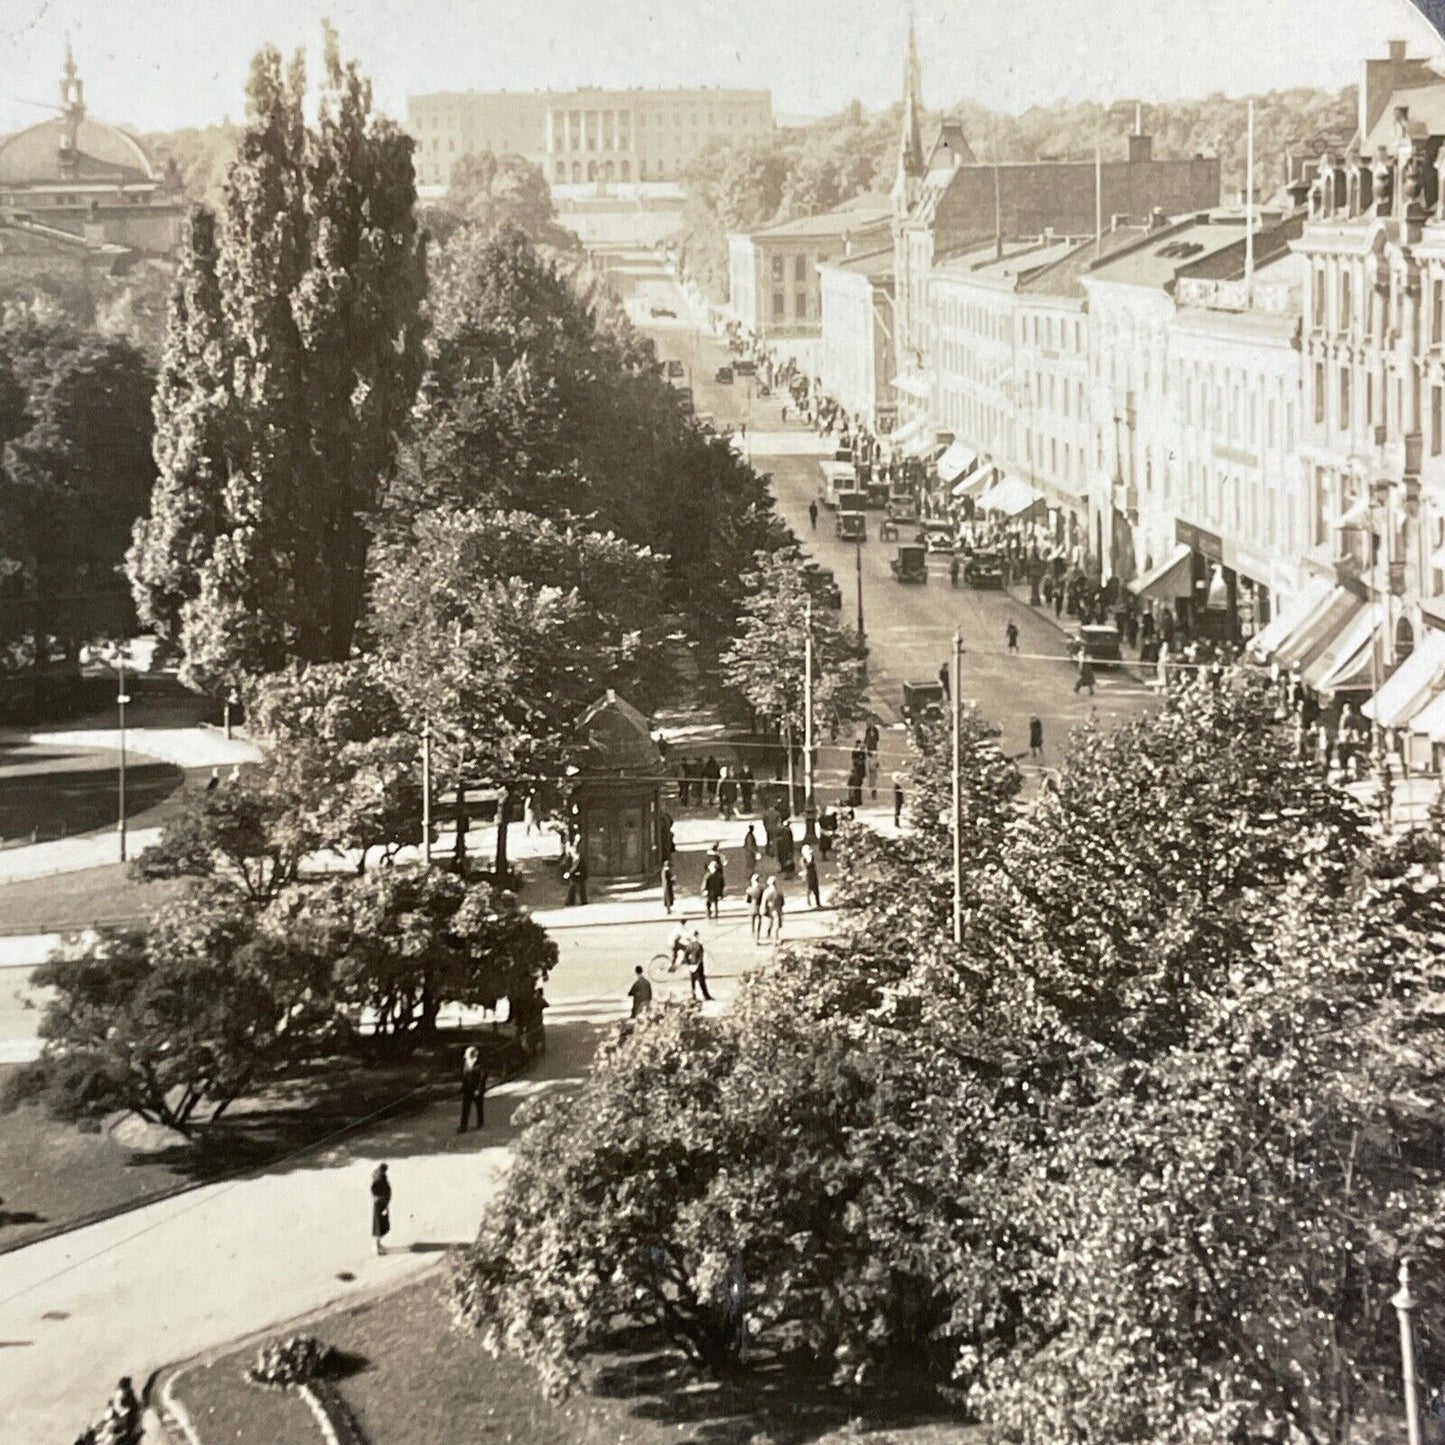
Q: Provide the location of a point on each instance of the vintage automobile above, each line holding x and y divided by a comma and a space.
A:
674, 367
1098, 642
900, 524
852, 527
744, 367
922, 698
723, 376
851, 499
822, 585
939, 536
877, 492
984, 569
662, 311
911, 564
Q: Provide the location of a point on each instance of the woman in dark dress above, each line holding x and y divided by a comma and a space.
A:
380, 1207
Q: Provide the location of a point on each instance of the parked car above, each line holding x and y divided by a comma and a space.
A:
922, 698
984, 569
1099, 642
723, 376
877, 491
852, 527
911, 564
674, 367
823, 585
744, 367
662, 311
707, 422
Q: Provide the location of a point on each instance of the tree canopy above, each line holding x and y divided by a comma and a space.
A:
1133, 1163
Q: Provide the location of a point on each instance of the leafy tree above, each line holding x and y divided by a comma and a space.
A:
766, 662
321, 277
247, 832
161, 1021
490, 191
76, 472
401, 943
344, 755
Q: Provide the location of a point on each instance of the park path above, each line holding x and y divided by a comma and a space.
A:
192, 1273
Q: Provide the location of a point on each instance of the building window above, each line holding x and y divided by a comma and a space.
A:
1347, 292
1437, 313
800, 268
777, 268
800, 305
779, 309
1319, 392
1317, 299
1437, 419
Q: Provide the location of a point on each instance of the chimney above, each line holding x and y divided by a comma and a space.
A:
1117, 220
1141, 149
1397, 51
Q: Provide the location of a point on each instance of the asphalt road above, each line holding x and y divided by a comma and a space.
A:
909, 628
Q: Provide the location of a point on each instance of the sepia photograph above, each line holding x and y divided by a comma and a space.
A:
722, 724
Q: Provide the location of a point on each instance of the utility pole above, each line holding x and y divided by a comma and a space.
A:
1249, 213
426, 792
957, 681
810, 801
858, 573
120, 701
1404, 1303
792, 786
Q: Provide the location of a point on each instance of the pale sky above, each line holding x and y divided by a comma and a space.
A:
163, 64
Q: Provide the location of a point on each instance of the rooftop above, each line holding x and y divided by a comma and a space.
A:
1426, 104
876, 265
1194, 245
1064, 276
846, 218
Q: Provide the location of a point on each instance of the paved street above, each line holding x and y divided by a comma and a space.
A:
909, 628
188, 1274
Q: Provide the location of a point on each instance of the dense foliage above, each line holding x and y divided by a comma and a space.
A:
75, 471
1135, 1163
292, 362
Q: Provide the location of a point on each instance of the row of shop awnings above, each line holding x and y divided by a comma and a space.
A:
1336, 641
1009, 495
914, 438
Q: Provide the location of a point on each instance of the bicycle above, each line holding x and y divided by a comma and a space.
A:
665, 965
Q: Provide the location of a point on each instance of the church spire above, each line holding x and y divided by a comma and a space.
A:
72, 110
910, 143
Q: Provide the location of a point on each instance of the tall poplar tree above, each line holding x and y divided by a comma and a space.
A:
255, 550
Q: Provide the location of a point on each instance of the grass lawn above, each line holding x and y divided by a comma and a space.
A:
63, 902
53, 1176
410, 1379
225, 1407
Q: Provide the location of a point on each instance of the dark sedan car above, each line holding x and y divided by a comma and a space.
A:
984, 569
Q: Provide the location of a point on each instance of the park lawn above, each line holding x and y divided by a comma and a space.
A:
62, 902
224, 1406
414, 1380
54, 1176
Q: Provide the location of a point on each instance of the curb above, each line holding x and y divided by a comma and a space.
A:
180, 1416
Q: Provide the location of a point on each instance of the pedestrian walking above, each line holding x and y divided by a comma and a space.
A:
1036, 738
669, 886
755, 906
897, 801
813, 514
697, 967
750, 851
785, 418
1011, 636
640, 993
1085, 679
577, 875
953, 570
943, 678
745, 787
380, 1207
773, 910
810, 874
873, 776
711, 772
214, 781
871, 737
712, 888
474, 1088
727, 793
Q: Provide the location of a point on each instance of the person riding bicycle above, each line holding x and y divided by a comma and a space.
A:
678, 946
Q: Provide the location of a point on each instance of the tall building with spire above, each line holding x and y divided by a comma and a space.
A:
909, 180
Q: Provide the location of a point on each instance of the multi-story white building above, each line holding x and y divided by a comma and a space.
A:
856, 358
1234, 471
580, 137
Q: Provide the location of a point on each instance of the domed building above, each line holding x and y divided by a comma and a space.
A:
92, 181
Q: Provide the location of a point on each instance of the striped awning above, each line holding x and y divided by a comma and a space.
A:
1319, 626
1412, 686
1345, 661
1274, 632
1168, 580
955, 461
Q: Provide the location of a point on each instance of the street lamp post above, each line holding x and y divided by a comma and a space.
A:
858, 573
120, 701
1404, 1303
426, 792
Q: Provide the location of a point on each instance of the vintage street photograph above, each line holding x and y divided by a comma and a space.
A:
722, 724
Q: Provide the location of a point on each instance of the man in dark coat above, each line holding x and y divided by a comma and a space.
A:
577, 875
474, 1089
711, 772
745, 787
